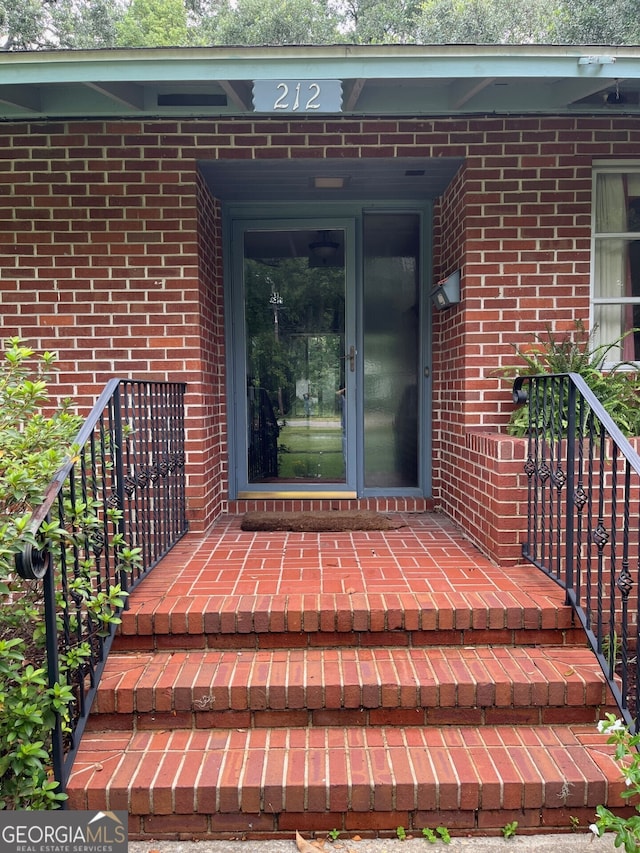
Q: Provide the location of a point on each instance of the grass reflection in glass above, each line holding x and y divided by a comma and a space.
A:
311, 451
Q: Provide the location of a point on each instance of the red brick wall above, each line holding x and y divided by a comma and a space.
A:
110, 254
99, 251
494, 484
100, 262
517, 221
206, 406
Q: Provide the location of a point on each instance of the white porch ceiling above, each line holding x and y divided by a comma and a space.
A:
382, 178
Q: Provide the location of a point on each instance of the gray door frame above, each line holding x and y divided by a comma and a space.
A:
238, 217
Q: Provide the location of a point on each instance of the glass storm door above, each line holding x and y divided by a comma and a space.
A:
299, 355
329, 357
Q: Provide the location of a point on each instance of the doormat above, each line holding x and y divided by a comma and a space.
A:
333, 521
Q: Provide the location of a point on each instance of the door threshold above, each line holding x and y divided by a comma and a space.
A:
297, 495
339, 501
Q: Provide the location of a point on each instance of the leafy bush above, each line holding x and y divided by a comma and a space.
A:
617, 387
627, 829
33, 445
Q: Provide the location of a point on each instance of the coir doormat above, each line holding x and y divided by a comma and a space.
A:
333, 521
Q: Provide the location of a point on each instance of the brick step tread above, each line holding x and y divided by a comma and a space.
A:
206, 683
482, 610
266, 773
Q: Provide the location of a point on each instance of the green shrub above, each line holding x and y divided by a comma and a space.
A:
627, 829
33, 445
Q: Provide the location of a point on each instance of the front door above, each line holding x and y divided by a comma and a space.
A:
328, 356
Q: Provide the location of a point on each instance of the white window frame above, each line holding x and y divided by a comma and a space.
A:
627, 167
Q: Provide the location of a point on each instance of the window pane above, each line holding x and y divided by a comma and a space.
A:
391, 350
617, 203
617, 268
294, 315
617, 264
612, 321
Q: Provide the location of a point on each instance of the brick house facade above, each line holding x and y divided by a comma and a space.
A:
112, 253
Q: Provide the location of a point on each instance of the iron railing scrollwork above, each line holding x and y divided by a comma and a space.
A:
108, 517
583, 520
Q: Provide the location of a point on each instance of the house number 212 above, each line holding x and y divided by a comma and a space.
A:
312, 95
297, 96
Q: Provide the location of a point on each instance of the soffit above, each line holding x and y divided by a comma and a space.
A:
380, 178
398, 80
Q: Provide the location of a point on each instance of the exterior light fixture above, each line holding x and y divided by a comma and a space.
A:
328, 182
447, 291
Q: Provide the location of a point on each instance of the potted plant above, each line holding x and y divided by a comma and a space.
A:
617, 387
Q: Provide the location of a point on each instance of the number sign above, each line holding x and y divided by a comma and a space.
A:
297, 96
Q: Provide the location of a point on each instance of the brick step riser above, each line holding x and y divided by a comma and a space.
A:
422, 717
463, 823
254, 783
251, 707
342, 614
343, 687
303, 640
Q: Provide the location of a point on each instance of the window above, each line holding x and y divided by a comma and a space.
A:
616, 282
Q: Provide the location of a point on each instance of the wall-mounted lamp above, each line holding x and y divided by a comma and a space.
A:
447, 291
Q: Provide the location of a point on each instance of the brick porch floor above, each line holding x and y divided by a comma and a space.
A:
428, 555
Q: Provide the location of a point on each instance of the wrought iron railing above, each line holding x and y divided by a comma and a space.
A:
583, 526
111, 513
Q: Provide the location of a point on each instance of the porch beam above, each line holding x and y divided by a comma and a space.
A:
329, 61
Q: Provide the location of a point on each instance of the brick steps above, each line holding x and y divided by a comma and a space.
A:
277, 780
359, 686
256, 715
298, 621
446, 616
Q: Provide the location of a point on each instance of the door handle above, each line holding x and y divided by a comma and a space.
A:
352, 358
